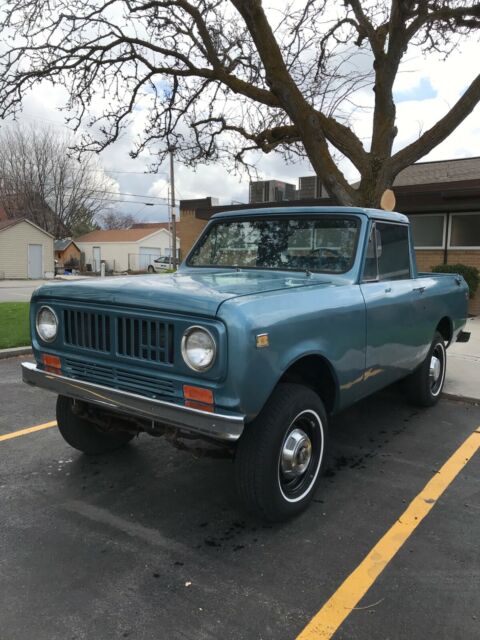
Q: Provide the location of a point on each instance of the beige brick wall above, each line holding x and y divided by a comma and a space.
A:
426, 259
14, 243
188, 229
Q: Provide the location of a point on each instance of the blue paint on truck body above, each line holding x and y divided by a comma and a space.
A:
365, 335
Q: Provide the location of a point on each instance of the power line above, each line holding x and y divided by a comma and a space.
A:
133, 195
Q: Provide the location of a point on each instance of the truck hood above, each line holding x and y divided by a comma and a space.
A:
198, 293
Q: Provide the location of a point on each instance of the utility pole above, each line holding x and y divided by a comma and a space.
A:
174, 218
169, 228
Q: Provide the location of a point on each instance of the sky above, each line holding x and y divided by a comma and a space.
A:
425, 89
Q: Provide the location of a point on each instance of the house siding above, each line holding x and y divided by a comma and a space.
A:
14, 243
70, 253
116, 253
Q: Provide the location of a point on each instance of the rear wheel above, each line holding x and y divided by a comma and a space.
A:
425, 385
84, 435
280, 455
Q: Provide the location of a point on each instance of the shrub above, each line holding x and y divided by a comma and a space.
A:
471, 274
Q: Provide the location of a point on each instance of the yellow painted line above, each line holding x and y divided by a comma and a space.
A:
25, 432
326, 622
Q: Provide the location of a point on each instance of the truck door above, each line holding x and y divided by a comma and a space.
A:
390, 316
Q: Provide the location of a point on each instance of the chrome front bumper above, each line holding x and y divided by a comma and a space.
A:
221, 426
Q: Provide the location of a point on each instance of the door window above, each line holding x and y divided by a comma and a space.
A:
388, 253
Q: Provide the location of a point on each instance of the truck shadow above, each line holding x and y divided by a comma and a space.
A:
192, 498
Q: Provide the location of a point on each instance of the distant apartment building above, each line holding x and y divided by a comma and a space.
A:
309, 187
277, 190
271, 191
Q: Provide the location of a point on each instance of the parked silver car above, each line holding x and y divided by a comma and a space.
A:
162, 263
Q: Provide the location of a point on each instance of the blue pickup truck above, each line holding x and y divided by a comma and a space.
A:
277, 319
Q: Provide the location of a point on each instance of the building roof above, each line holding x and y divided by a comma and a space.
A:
61, 245
150, 225
439, 171
118, 235
6, 224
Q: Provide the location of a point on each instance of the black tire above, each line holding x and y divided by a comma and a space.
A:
265, 481
424, 386
85, 435
150, 269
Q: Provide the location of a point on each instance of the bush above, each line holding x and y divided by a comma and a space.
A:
471, 274
72, 263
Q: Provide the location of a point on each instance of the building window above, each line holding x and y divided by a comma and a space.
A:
465, 231
428, 231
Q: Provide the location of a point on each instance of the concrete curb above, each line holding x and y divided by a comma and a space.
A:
458, 398
15, 351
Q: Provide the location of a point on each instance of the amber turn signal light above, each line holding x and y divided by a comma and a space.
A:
198, 394
52, 364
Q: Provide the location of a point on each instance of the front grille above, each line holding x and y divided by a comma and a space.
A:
118, 378
145, 339
87, 330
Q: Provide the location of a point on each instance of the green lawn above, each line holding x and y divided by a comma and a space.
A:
14, 324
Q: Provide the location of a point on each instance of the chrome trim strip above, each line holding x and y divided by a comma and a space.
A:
220, 426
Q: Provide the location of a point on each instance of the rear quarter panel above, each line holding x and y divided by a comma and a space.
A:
446, 295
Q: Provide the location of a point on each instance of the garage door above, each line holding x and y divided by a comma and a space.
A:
35, 261
147, 254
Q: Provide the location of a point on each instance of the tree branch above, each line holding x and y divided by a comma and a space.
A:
440, 131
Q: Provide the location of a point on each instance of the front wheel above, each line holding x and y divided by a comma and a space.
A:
150, 269
280, 455
424, 386
84, 435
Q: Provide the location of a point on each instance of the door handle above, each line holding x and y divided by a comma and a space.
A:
419, 289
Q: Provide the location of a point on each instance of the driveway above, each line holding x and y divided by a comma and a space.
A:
18, 290
151, 543
21, 290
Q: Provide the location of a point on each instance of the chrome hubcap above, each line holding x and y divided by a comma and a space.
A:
296, 454
435, 369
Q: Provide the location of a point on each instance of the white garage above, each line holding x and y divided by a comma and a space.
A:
26, 250
125, 249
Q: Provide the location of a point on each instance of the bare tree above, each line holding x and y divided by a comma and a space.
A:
116, 220
41, 180
220, 78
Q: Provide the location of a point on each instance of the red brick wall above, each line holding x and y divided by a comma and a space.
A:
427, 258
188, 229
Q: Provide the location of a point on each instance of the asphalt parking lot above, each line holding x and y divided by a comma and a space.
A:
151, 543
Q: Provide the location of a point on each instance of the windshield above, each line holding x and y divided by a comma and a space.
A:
325, 244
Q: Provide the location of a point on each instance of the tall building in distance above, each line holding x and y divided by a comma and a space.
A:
309, 187
271, 191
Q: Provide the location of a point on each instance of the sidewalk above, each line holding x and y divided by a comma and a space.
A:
463, 365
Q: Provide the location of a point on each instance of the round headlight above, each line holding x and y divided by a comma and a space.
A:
198, 348
47, 324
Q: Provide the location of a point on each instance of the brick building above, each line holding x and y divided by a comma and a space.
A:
442, 200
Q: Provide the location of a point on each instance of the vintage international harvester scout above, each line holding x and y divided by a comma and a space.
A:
277, 319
